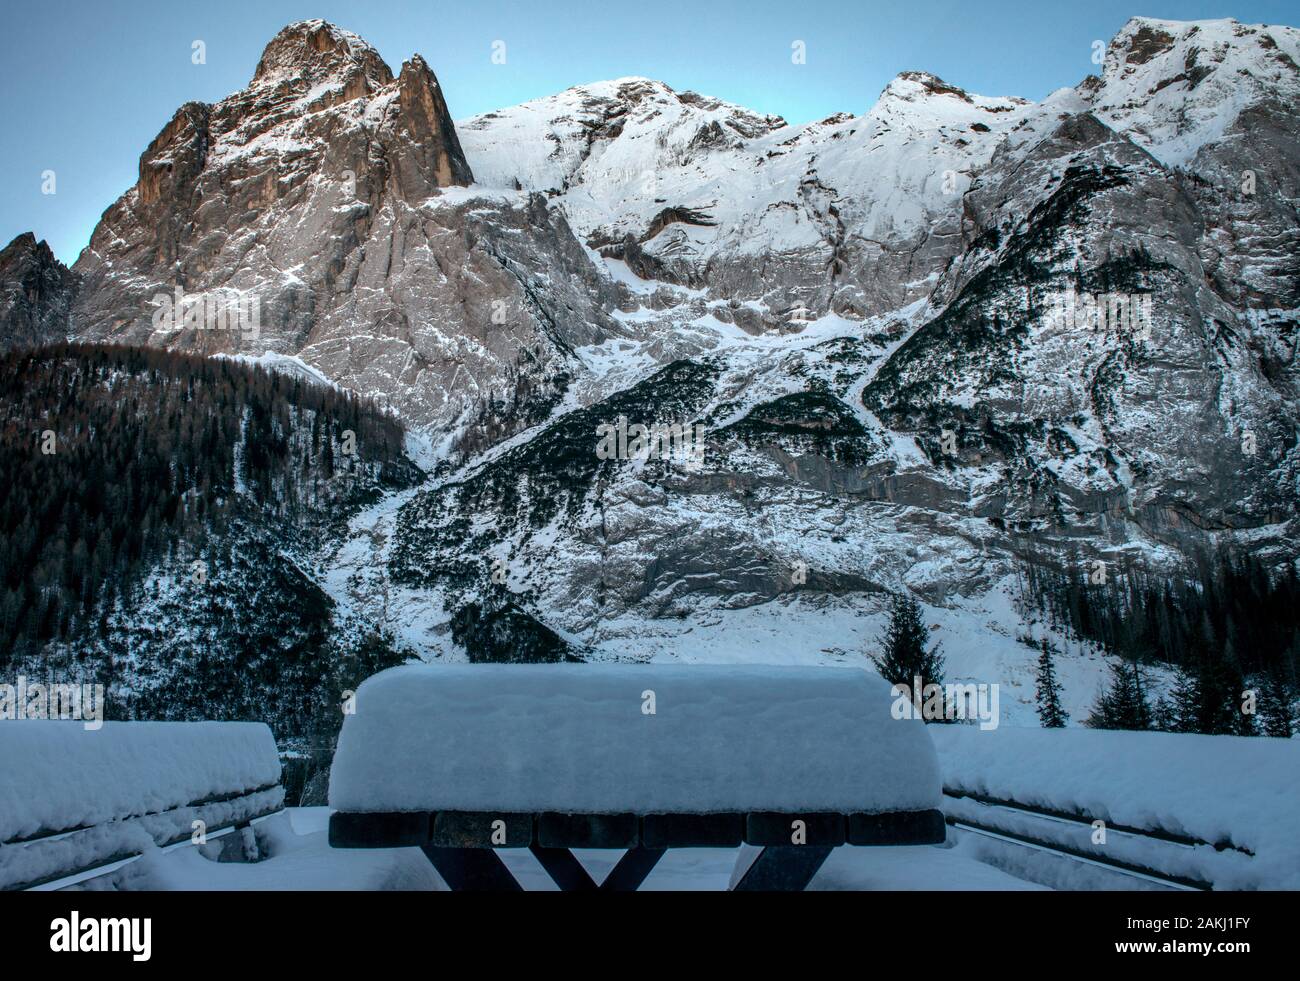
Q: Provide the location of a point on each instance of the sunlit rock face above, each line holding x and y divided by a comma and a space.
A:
329, 199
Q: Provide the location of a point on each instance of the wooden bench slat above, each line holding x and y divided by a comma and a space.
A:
1073, 851
226, 798
480, 829
692, 830
474, 829
898, 828
1158, 833
99, 841
389, 829
556, 830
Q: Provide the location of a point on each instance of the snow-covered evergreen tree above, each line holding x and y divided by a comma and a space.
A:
1277, 706
906, 652
1048, 690
1123, 704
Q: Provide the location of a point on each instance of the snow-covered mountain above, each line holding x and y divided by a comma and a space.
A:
887, 326
850, 213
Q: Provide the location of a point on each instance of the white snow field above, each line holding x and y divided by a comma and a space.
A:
1225, 790
612, 738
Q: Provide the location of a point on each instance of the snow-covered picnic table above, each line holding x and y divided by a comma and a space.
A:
464, 759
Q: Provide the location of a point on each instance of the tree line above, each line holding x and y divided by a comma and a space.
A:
116, 458
1229, 630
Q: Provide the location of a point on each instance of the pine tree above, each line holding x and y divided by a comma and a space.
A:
1187, 701
906, 653
1238, 722
1164, 718
1277, 706
1123, 704
1221, 685
1048, 691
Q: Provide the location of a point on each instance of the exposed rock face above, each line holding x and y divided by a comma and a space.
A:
1095, 425
35, 294
963, 240
326, 199
1216, 100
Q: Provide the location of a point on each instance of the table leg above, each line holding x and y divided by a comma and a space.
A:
632, 869
564, 869
471, 869
783, 868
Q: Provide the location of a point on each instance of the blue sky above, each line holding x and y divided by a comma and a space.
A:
88, 83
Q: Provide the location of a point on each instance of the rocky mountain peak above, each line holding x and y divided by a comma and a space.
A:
309, 210
914, 84
1190, 51
1143, 39
635, 89
1177, 85
425, 119
316, 52
35, 293
22, 244
924, 94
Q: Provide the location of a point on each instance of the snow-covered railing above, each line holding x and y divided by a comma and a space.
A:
1206, 812
77, 800
462, 759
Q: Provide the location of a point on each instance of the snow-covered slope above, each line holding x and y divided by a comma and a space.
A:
702, 192
1174, 86
932, 244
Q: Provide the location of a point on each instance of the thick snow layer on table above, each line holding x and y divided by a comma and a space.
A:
1220, 789
575, 738
55, 776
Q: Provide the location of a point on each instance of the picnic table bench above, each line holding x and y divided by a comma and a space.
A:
1102, 809
464, 760
77, 803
